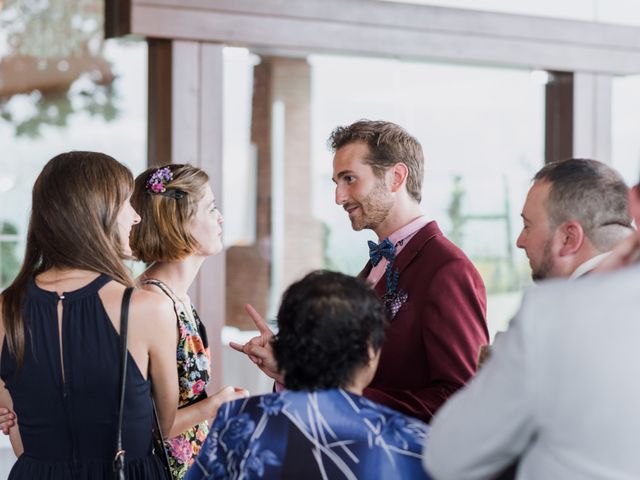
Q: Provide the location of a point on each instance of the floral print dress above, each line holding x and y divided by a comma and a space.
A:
194, 371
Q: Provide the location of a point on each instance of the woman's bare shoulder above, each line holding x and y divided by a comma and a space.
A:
146, 308
153, 307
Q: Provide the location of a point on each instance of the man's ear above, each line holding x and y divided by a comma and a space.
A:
374, 356
399, 173
634, 204
571, 236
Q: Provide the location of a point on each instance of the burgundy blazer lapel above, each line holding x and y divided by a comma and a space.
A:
415, 245
406, 256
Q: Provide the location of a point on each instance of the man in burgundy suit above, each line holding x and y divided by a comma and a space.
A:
434, 296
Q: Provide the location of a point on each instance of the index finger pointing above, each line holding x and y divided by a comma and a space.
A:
237, 346
261, 325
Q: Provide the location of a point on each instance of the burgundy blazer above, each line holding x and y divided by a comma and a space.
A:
432, 343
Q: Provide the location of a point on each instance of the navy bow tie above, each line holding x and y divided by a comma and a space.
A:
384, 249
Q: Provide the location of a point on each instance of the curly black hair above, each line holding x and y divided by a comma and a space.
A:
327, 321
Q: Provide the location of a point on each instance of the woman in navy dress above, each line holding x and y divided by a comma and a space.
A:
59, 331
331, 329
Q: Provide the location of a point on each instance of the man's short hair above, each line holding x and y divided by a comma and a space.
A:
388, 144
327, 322
591, 193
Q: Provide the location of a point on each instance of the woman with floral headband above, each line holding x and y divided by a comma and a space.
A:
180, 228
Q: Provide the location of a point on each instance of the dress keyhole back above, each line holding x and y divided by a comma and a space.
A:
66, 393
60, 309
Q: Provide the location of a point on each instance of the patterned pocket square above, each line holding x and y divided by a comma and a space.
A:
393, 302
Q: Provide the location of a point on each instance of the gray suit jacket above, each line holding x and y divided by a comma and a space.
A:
561, 390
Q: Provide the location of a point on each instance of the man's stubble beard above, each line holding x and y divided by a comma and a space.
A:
546, 264
374, 208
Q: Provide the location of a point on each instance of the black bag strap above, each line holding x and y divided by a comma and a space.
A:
118, 461
159, 446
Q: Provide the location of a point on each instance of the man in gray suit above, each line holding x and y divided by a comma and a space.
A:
561, 389
575, 213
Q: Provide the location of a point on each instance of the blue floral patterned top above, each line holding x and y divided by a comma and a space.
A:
330, 434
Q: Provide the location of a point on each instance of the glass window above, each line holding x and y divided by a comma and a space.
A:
482, 133
625, 122
240, 161
85, 94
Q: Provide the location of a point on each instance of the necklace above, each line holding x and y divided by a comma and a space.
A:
71, 279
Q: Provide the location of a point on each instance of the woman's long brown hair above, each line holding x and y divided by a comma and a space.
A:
75, 204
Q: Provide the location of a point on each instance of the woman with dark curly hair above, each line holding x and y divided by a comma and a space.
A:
331, 329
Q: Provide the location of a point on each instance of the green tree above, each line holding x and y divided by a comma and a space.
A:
456, 234
9, 261
55, 62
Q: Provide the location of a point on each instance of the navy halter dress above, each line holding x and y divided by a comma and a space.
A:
68, 422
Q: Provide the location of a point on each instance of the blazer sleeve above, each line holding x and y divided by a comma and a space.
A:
483, 428
453, 327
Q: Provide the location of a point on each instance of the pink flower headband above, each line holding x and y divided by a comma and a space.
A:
158, 181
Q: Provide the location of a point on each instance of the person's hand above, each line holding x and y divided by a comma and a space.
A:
623, 254
7, 420
483, 355
228, 394
224, 395
259, 349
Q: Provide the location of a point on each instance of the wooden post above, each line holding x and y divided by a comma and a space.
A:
559, 117
185, 126
159, 98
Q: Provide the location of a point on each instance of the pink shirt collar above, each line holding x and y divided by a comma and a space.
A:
399, 239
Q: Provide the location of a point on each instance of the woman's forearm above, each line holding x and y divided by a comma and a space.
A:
192, 415
206, 409
16, 441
